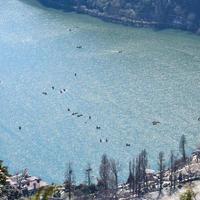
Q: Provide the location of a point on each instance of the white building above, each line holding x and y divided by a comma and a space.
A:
25, 183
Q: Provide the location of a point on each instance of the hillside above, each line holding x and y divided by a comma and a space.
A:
181, 14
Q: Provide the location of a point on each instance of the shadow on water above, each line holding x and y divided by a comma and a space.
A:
43, 6
34, 3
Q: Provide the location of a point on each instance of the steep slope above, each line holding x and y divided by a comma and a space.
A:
181, 14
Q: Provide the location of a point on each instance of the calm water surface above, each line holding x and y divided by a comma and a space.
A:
156, 77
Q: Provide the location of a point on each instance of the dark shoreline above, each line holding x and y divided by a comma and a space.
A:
117, 19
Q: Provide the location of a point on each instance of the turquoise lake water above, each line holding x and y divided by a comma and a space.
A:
156, 77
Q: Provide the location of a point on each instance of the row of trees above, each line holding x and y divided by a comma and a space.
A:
107, 184
138, 180
137, 173
107, 181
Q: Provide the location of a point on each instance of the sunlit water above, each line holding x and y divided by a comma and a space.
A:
156, 77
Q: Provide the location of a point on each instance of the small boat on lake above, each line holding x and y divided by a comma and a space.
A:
79, 47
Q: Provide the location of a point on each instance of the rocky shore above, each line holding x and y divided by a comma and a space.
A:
115, 19
150, 13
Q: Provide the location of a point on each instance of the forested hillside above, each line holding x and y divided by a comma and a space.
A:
183, 14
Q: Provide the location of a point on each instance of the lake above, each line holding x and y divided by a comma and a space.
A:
126, 78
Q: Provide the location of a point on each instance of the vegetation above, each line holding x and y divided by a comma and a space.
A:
182, 14
182, 148
69, 180
188, 195
161, 170
3, 173
139, 181
44, 193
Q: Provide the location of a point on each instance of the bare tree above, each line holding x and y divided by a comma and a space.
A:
161, 167
137, 176
133, 178
115, 168
198, 153
88, 172
104, 171
144, 163
182, 148
69, 180
172, 171
140, 182
130, 177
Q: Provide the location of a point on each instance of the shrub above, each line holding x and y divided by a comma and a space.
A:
188, 195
